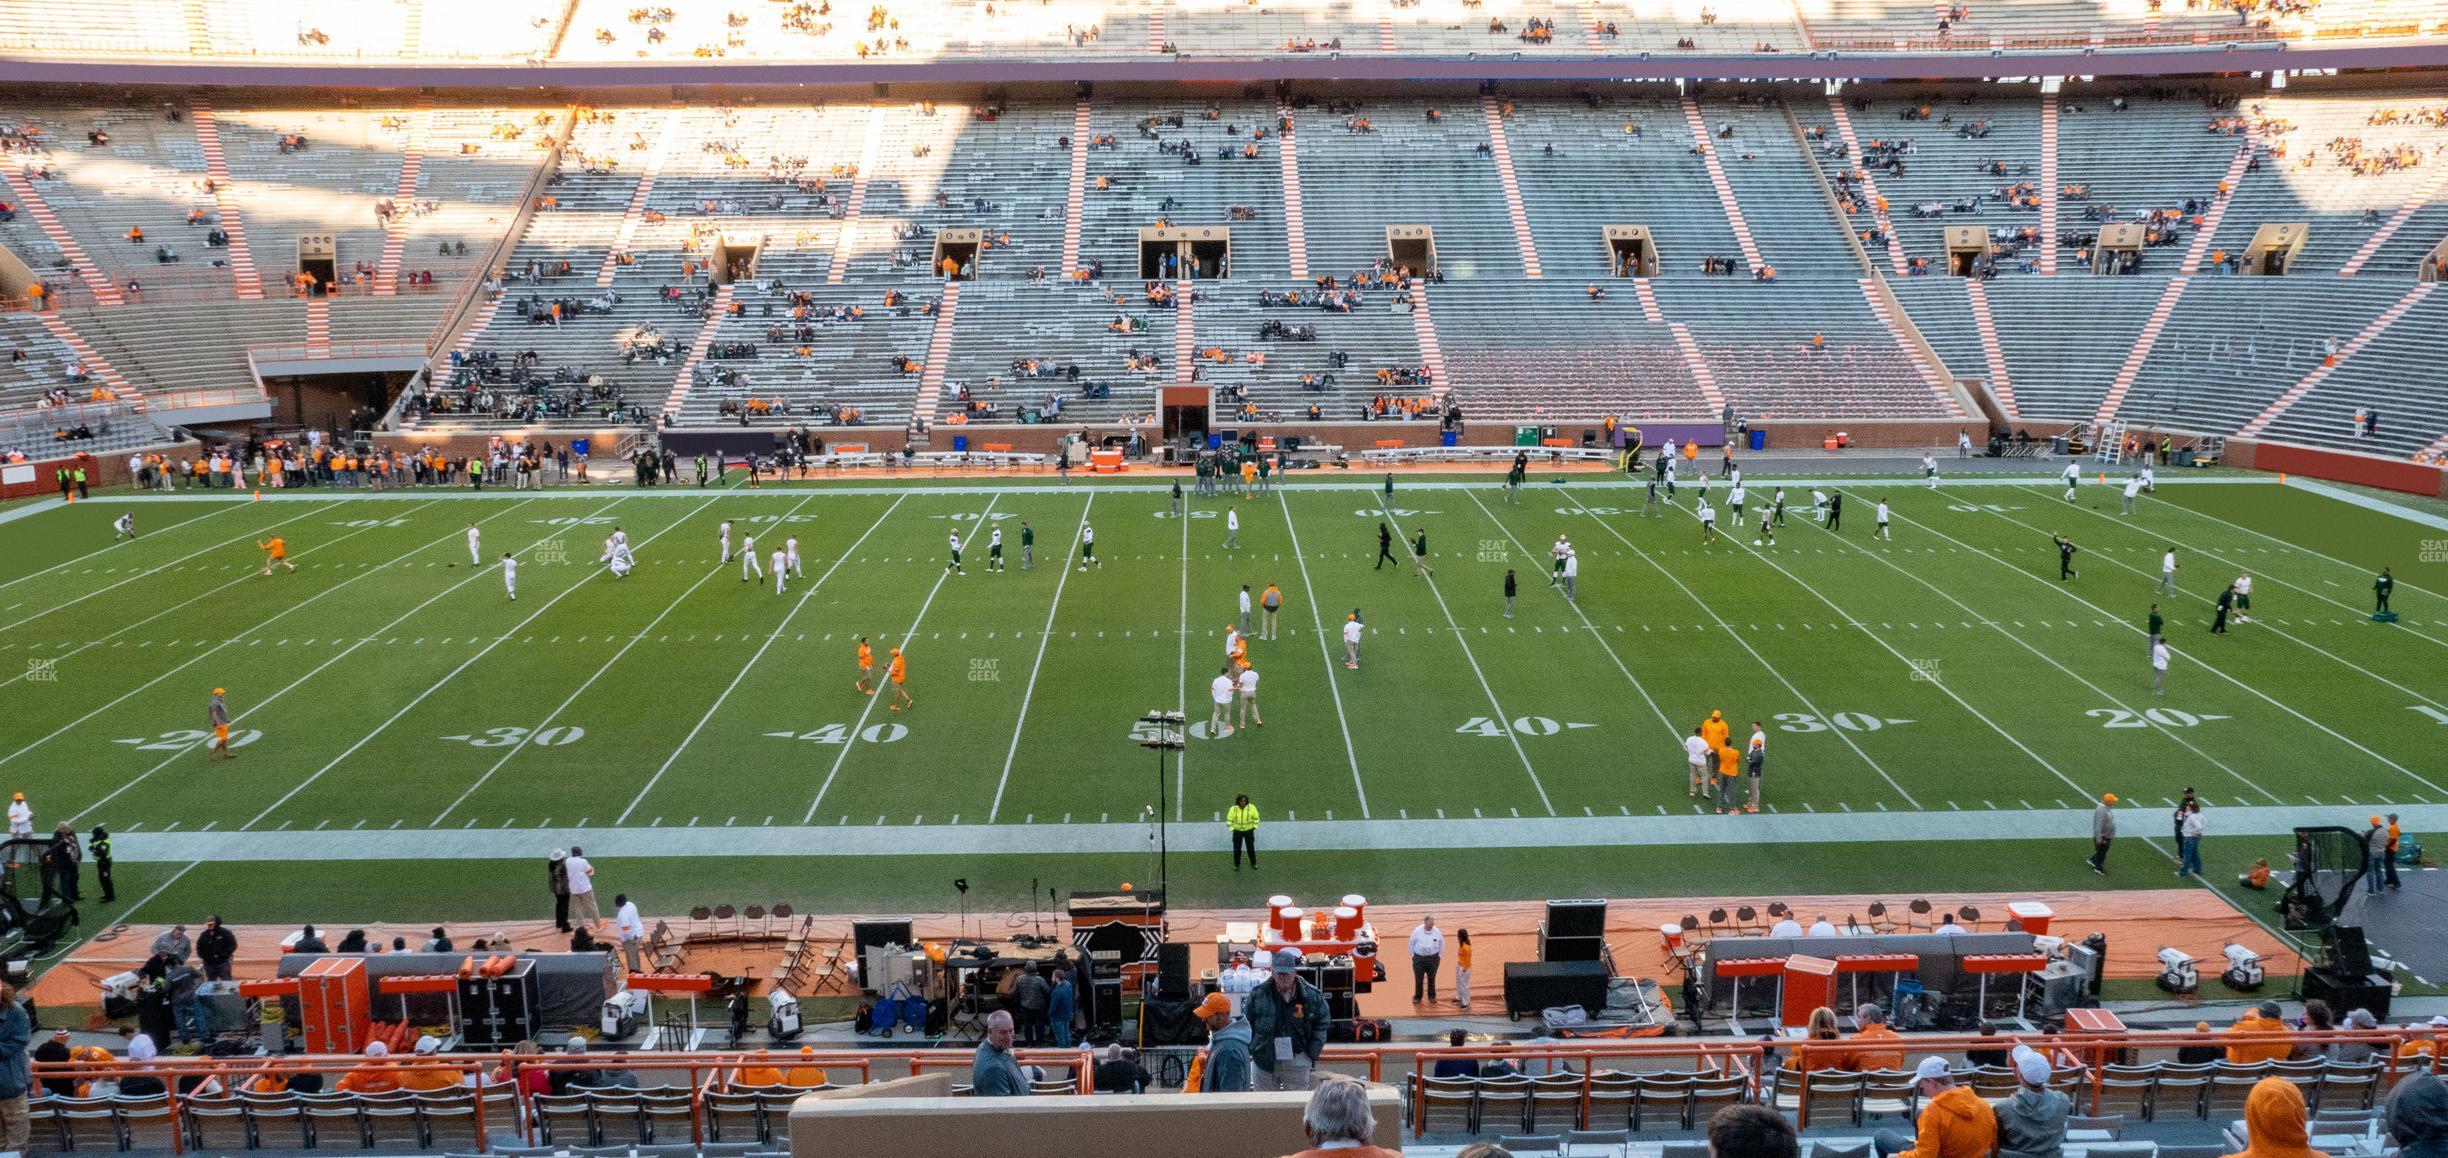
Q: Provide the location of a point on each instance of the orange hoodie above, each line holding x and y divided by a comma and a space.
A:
1958, 1124
2270, 1051
2274, 1122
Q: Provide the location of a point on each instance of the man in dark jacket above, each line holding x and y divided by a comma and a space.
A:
16, 1071
2418, 1117
556, 871
215, 946
1287, 1020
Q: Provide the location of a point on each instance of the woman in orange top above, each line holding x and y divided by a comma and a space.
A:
1462, 968
1822, 1027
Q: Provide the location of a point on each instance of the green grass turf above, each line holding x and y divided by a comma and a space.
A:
394, 686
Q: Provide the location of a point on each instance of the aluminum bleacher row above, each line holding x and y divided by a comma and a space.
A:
842, 199
613, 30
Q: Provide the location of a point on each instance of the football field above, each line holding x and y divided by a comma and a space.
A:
1943, 682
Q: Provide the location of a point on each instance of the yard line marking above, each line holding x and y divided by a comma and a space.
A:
2212, 555
1029, 692
2315, 488
182, 603
1874, 637
984, 519
465, 664
1181, 690
1325, 656
225, 544
1772, 669
2206, 666
1473, 660
750, 666
233, 640
159, 890
549, 717
1646, 698
2051, 660
226, 508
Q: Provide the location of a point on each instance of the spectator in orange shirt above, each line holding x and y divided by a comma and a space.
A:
375, 1075
1874, 1028
2263, 1019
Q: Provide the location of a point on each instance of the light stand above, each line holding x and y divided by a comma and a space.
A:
961, 886
1162, 731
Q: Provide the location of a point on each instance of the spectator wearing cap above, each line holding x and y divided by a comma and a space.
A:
2274, 1122
1287, 1024
2356, 1052
2262, 1019
2417, 1117
1954, 1122
2423, 1046
2032, 1123
426, 1071
1228, 1048
1339, 1123
2103, 833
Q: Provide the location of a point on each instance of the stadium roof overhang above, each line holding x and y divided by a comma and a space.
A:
2263, 56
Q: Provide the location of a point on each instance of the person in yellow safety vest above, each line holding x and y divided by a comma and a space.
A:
1242, 819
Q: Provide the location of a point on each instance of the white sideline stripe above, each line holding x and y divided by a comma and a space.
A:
224, 544
55, 504
1966, 705
1473, 660
750, 666
293, 685
1181, 677
1030, 692
2051, 660
2215, 670
720, 567
1772, 669
909, 639
809, 841
439, 684
1671, 730
1325, 654
245, 573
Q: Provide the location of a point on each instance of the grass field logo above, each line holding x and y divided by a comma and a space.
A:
40, 671
552, 551
985, 671
1925, 670
1492, 551
2433, 551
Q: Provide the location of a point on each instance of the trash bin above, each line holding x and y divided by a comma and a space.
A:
1759, 439
1215, 441
960, 444
1450, 438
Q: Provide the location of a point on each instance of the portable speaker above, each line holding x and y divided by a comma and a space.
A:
1173, 972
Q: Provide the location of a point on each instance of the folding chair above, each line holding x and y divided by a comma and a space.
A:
1609, 1143
1532, 1143
1457, 1098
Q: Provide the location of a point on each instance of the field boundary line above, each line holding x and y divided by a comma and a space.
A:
1729, 629
469, 662
718, 568
98, 552
216, 649
1317, 621
1181, 674
2213, 669
1030, 692
750, 666
1456, 627
2116, 701
243, 576
152, 571
1874, 637
908, 638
